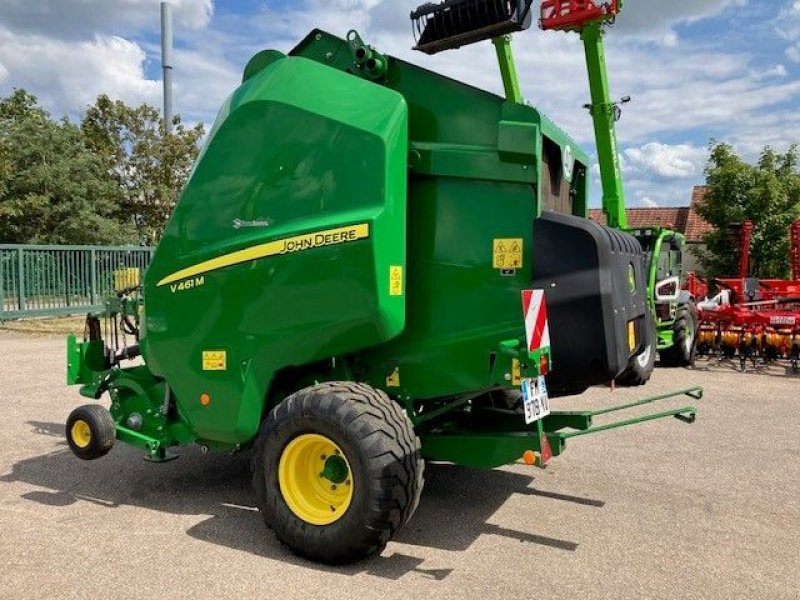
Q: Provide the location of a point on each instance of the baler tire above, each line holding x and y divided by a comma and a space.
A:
382, 453
684, 336
90, 431
638, 371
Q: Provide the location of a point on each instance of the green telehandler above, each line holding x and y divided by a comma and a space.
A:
675, 322
360, 277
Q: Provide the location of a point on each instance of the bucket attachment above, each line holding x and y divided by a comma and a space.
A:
455, 23
574, 14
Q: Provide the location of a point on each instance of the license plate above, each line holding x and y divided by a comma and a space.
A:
535, 399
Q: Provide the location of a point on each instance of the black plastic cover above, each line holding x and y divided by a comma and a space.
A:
595, 284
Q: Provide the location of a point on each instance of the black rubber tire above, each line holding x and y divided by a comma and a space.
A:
640, 368
102, 427
684, 333
379, 442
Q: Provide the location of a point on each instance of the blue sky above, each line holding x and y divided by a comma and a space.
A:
696, 69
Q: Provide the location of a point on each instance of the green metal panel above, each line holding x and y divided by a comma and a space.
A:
298, 150
20, 278
474, 179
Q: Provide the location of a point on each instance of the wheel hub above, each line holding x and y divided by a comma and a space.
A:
315, 479
81, 433
336, 469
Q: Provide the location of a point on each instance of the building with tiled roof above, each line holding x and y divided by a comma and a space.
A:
683, 219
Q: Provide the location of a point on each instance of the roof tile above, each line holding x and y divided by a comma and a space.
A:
682, 218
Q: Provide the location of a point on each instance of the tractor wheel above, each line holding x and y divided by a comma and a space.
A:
641, 366
337, 471
91, 431
684, 336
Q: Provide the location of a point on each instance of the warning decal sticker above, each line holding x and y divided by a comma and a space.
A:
215, 360
395, 280
507, 253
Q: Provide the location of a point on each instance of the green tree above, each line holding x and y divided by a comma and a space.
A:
767, 193
149, 166
52, 189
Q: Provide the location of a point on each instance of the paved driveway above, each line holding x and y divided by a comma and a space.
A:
662, 510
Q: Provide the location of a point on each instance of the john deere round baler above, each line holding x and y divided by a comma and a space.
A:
359, 277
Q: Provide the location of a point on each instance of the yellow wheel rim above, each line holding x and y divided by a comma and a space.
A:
81, 434
315, 479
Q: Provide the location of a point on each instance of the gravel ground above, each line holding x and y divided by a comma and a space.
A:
661, 510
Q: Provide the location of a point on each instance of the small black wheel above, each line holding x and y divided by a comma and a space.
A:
337, 470
684, 337
91, 431
640, 367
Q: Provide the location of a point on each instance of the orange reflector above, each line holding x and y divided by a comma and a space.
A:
529, 457
544, 365
205, 399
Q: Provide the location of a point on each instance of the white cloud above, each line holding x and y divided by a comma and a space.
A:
79, 18
658, 18
776, 71
788, 27
68, 75
788, 23
79, 59
657, 174
682, 161
669, 40
202, 82
648, 202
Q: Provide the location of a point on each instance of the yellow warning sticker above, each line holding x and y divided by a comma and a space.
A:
507, 253
395, 280
516, 373
215, 360
393, 380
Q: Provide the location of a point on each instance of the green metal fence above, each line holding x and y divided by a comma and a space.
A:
62, 280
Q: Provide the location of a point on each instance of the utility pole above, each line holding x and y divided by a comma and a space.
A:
166, 62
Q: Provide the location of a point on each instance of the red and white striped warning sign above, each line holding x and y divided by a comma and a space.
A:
537, 328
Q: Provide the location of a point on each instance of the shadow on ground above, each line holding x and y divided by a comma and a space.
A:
456, 504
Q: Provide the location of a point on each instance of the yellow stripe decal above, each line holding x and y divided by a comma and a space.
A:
299, 243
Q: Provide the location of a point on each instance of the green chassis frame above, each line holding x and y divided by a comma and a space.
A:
454, 432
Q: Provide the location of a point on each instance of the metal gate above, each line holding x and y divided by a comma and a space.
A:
62, 280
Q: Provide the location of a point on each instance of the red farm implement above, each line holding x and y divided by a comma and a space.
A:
573, 14
749, 317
